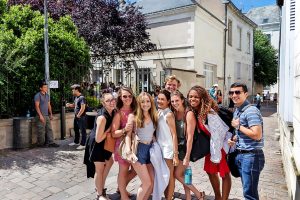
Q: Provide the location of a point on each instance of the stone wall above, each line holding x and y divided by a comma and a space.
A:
6, 130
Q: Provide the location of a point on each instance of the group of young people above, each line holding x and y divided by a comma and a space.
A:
172, 126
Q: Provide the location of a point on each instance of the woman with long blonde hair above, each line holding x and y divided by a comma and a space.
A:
145, 122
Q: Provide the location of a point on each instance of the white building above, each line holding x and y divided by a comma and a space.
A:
239, 50
289, 94
268, 20
194, 44
191, 38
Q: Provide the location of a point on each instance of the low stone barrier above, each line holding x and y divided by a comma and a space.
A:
6, 130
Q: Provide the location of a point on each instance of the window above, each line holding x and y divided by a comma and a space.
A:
269, 37
210, 75
266, 20
230, 32
239, 38
248, 42
238, 70
292, 15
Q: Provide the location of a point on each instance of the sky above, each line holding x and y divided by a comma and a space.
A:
245, 5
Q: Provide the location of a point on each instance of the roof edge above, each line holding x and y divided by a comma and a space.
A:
243, 16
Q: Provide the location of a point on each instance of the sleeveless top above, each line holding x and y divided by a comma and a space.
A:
163, 134
146, 134
109, 119
124, 117
180, 131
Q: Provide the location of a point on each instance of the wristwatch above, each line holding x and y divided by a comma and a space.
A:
123, 131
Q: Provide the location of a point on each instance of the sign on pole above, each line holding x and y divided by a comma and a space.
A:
53, 84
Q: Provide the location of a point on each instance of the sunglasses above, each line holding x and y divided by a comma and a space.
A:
127, 96
110, 100
237, 92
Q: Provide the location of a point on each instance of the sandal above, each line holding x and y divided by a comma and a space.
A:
202, 195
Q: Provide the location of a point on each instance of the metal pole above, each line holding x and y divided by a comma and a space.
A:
46, 44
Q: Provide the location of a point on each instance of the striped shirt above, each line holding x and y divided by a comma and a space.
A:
250, 117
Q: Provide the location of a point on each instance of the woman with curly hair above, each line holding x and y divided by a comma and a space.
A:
126, 104
206, 111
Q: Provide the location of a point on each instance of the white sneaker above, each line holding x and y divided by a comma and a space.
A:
73, 144
80, 147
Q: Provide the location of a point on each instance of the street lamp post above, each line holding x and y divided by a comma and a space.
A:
46, 45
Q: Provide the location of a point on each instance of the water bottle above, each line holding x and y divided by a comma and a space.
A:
28, 113
188, 175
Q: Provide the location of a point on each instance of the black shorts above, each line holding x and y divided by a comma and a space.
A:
98, 153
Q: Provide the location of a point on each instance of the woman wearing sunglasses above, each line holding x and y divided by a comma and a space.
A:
205, 109
126, 104
95, 151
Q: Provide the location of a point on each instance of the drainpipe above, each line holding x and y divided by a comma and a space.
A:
225, 2
279, 4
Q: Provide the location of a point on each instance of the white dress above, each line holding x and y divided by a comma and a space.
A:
163, 134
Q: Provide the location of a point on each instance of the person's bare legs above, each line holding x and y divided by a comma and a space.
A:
98, 177
108, 165
151, 173
226, 186
215, 183
143, 174
179, 175
169, 192
122, 181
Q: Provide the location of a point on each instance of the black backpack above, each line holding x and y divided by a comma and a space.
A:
226, 115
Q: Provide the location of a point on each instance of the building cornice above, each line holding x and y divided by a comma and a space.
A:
241, 15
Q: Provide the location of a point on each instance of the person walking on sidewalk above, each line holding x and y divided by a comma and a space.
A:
79, 106
249, 140
44, 115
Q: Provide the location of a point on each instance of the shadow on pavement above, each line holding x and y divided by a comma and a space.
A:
26, 158
268, 108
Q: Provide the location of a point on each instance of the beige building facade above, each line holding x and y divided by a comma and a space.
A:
191, 43
191, 38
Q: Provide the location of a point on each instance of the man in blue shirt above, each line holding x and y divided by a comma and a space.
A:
79, 106
249, 140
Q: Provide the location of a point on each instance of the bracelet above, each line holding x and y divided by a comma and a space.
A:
176, 152
123, 131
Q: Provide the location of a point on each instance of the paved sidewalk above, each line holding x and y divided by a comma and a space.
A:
58, 173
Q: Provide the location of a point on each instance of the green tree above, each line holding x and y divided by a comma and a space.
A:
265, 59
22, 57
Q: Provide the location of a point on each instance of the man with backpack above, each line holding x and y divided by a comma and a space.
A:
249, 140
79, 106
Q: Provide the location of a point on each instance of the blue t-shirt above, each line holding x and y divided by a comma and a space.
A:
78, 102
250, 117
44, 99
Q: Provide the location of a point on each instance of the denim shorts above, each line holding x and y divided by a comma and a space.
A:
143, 153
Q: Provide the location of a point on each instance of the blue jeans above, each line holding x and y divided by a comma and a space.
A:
80, 123
250, 165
